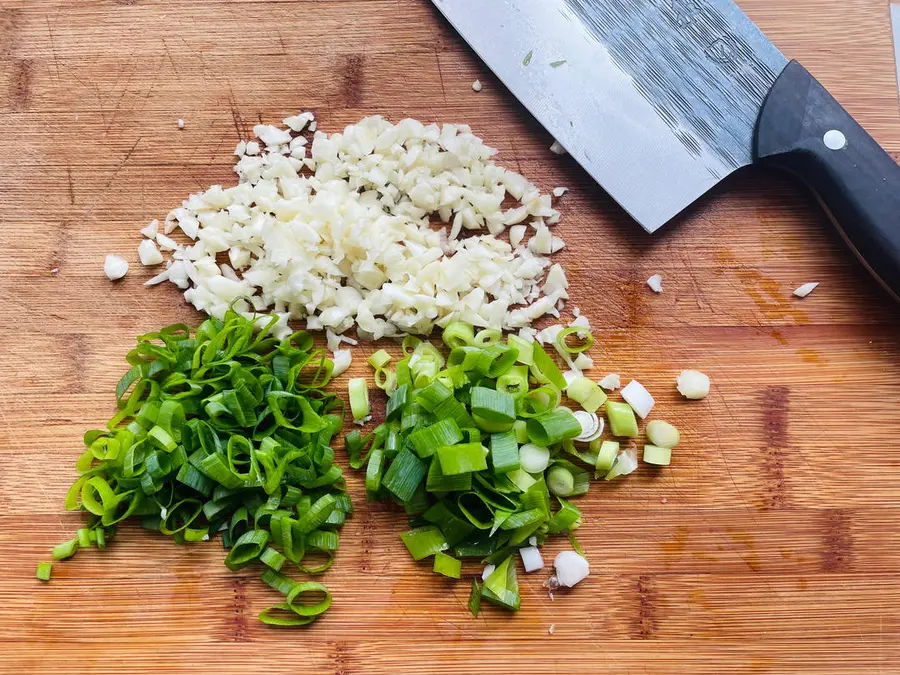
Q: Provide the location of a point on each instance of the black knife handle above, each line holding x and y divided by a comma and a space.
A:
804, 130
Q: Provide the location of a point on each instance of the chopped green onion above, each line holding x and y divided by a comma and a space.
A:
272, 558
534, 458
553, 426
458, 334
545, 369
581, 333
492, 405
404, 475
423, 542
587, 393
436, 481
514, 382
487, 337
621, 419
426, 441
560, 481
525, 349
657, 456
282, 614
504, 452
502, 587
566, 519
43, 571
65, 550
359, 398
520, 429
474, 603
462, 458
310, 608
607, 451
447, 565
246, 549
662, 434
521, 479
379, 359
385, 379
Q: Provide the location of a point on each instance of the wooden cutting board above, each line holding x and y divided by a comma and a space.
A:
772, 543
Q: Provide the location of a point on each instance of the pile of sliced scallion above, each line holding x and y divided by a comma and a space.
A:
227, 432
479, 452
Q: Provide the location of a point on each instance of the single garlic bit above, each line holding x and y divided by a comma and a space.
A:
805, 290
655, 283
115, 267
693, 384
571, 568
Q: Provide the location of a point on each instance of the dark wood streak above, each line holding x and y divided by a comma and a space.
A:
646, 611
837, 541
239, 626
352, 78
20, 91
776, 409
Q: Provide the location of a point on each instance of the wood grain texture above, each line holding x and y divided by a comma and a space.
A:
771, 545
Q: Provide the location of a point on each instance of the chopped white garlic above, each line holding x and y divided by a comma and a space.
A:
148, 253
693, 384
181, 124
343, 236
115, 267
557, 149
611, 382
560, 191
166, 244
655, 283
342, 359
552, 628
571, 568
151, 229
637, 396
240, 148
476, 85
805, 290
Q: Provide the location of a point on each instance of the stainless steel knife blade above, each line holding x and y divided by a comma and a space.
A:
656, 99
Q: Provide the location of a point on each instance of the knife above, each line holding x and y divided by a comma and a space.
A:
660, 100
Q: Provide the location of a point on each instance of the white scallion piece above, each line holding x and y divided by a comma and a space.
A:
571, 568
589, 422
531, 559
476, 85
534, 458
180, 124
115, 267
626, 463
693, 384
611, 382
560, 191
488, 571
655, 283
637, 396
805, 289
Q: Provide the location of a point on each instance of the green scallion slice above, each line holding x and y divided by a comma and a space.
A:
552, 427
44, 570
425, 541
462, 458
447, 565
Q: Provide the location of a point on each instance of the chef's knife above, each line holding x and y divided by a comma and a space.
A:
660, 100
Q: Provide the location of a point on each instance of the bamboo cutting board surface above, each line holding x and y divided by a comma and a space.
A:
772, 543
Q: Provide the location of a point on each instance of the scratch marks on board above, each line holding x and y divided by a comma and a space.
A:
776, 411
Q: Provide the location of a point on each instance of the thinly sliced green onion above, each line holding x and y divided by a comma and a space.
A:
359, 398
246, 549
474, 603
525, 349
453, 527
282, 614
539, 401
502, 587
423, 542
662, 434
433, 396
409, 344
621, 419
272, 558
379, 359
300, 602
385, 379
404, 475
44, 570
492, 405
521, 479
582, 333
397, 402
552, 427
447, 565
520, 429
458, 334
426, 441
504, 452
462, 458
